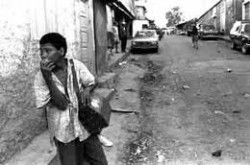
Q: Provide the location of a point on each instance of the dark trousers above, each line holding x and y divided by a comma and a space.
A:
87, 152
123, 44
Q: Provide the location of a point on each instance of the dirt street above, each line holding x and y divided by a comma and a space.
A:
194, 106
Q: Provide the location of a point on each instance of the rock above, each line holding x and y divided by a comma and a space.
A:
246, 95
232, 140
217, 153
122, 63
236, 111
160, 157
186, 87
219, 112
229, 70
130, 90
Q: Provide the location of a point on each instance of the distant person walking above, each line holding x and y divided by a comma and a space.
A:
195, 36
123, 36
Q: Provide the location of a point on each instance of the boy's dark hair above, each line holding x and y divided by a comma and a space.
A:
56, 39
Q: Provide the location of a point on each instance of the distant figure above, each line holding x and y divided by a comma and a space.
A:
116, 37
123, 36
194, 36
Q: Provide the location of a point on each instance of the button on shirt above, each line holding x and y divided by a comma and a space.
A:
64, 125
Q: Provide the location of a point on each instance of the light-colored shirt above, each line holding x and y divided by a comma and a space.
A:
64, 125
115, 32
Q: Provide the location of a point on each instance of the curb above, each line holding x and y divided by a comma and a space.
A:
224, 39
116, 63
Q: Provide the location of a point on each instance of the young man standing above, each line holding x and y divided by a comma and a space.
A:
55, 92
123, 36
195, 36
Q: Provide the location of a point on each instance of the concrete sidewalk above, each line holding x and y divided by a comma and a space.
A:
39, 151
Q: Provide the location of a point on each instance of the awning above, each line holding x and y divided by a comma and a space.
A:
120, 6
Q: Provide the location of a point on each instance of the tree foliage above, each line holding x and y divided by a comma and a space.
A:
174, 16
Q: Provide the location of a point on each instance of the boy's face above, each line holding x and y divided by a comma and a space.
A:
50, 53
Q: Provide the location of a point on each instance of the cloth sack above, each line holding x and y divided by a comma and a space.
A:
95, 116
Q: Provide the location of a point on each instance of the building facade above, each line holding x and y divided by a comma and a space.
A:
140, 9
246, 10
119, 11
141, 20
223, 15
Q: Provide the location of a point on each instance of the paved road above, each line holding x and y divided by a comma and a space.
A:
195, 105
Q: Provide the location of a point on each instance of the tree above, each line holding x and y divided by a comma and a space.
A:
174, 16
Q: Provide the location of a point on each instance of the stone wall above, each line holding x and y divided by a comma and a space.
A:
233, 13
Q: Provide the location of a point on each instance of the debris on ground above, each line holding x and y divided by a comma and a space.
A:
160, 157
246, 95
139, 149
229, 70
120, 110
219, 112
232, 140
217, 153
185, 87
130, 90
174, 72
122, 63
236, 111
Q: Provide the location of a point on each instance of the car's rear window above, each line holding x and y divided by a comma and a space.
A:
247, 28
143, 34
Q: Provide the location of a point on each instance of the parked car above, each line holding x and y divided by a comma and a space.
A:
240, 36
145, 40
207, 31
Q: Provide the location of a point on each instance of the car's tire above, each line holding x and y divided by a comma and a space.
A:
233, 45
156, 50
244, 49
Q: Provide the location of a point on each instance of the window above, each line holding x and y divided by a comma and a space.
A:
239, 29
214, 12
247, 28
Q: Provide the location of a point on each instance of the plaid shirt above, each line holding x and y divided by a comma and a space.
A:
63, 125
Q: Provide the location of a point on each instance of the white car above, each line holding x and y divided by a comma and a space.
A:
240, 36
145, 40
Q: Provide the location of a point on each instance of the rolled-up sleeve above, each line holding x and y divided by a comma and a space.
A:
86, 77
41, 89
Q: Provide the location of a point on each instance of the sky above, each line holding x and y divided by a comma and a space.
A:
156, 9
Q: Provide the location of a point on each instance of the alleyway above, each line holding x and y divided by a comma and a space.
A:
194, 105
180, 106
